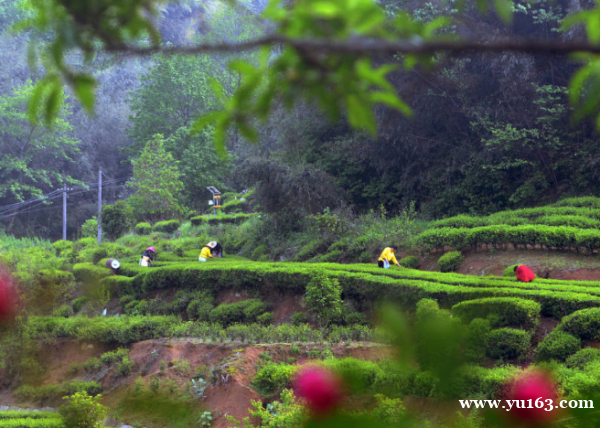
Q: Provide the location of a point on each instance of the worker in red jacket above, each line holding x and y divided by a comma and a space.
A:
524, 274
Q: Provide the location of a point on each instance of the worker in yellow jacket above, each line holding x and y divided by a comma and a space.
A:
387, 257
206, 252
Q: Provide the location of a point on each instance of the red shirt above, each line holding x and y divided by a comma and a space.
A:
525, 274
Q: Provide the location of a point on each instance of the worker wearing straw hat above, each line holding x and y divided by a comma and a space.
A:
206, 252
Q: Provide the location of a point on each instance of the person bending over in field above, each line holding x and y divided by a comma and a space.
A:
206, 252
387, 257
147, 257
524, 274
217, 251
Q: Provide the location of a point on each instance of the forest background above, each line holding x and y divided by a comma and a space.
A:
488, 131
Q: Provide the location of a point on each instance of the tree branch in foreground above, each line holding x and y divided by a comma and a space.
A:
372, 46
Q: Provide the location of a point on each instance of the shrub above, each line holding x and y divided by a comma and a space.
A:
89, 229
117, 285
111, 357
273, 378
558, 345
244, 311
87, 272
124, 367
49, 288
261, 250
584, 324
410, 262
509, 272
476, 340
313, 248
54, 391
299, 318
200, 310
83, 411
352, 318
79, 303
266, 318
324, 297
117, 219
450, 262
501, 311
63, 247
143, 228
168, 226
99, 254
508, 344
582, 357
64, 311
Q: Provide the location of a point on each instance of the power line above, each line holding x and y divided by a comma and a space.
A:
30, 209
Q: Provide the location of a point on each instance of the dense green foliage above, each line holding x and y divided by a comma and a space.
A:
156, 179
450, 262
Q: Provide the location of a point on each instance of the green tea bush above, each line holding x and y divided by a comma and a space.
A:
324, 297
450, 262
508, 344
509, 272
476, 340
79, 303
299, 318
124, 367
200, 309
117, 285
83, 411
584, 324
476, 381
112, 357
312, 249
50, 287
583, 357
244, 311
273, 378
87, 272
168, 226
410, 262
558, 345
143, 228
353, 318
64, 311
258, 252
62, 247
265, 319
501, 311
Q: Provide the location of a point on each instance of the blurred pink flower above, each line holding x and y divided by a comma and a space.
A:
321, 390
533, 386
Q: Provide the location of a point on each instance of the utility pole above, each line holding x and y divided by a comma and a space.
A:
64, 209
100, 205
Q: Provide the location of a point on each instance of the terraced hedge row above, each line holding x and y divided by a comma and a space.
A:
223, 219
503, 312
125, 330
362, 283
549, 237
32, 423
563, 215
24, 414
